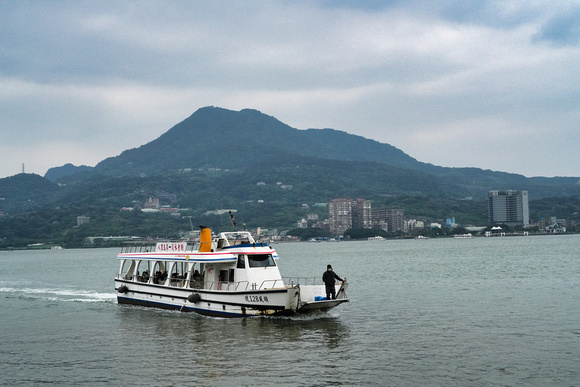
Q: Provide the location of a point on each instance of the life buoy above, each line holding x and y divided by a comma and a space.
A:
123, 289
193, 298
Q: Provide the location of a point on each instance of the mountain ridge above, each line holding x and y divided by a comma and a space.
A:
214, 137
235, 136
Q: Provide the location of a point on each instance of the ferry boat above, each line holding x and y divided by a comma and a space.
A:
230, 275
376, 238
463, 236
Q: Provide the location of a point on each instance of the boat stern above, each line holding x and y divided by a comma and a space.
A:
313, 297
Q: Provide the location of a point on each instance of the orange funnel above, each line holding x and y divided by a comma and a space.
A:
205, 240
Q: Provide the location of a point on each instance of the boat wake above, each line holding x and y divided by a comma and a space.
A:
59, 295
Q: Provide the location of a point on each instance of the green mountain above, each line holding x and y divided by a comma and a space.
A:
270, 172
53, 174
25, 191
248, 140
219, 138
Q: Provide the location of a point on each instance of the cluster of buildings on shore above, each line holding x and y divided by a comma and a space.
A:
509, 207
506, 207
346, 213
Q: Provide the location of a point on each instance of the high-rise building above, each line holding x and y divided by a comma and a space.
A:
361, 213
344, 213
392, 218
339, 215
508, 207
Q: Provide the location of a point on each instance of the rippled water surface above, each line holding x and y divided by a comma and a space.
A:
478, 312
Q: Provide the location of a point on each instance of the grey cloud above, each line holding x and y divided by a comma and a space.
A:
76, 74
562, 29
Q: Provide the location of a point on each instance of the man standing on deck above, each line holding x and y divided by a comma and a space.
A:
328, 279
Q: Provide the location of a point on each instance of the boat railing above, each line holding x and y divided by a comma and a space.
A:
244, 285
137, 247
307, 281
196, 284
222, 285
177, 282
228, 286
151, 246
273, 284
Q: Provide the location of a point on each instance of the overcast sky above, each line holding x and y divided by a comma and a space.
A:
487, 84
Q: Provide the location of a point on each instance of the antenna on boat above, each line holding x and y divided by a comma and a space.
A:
232, 219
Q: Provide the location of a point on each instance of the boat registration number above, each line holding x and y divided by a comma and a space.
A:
257, 299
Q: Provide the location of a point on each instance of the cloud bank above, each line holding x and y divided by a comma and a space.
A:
492, 85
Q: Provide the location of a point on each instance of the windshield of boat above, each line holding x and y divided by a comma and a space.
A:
236, 238
261, 260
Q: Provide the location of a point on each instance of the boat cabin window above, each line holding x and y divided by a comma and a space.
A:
179, 270
159, 273
196, 276
143, 271
195, 272
241, 262
127, 268
178, 274
226, 275
261, 260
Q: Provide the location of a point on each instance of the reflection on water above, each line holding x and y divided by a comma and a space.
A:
161, 327
207, 348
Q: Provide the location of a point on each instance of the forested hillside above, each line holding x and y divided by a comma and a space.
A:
271, 173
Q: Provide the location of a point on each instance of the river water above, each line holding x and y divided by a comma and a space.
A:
438, 312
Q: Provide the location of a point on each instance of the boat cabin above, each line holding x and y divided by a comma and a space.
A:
233, 261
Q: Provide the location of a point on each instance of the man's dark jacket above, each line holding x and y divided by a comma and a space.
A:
329, 276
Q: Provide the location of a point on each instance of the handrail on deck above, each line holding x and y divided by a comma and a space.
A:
219, 285
150, 246
307, 281
245, 285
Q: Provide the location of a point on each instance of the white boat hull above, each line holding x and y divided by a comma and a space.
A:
210, 302
283, 301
